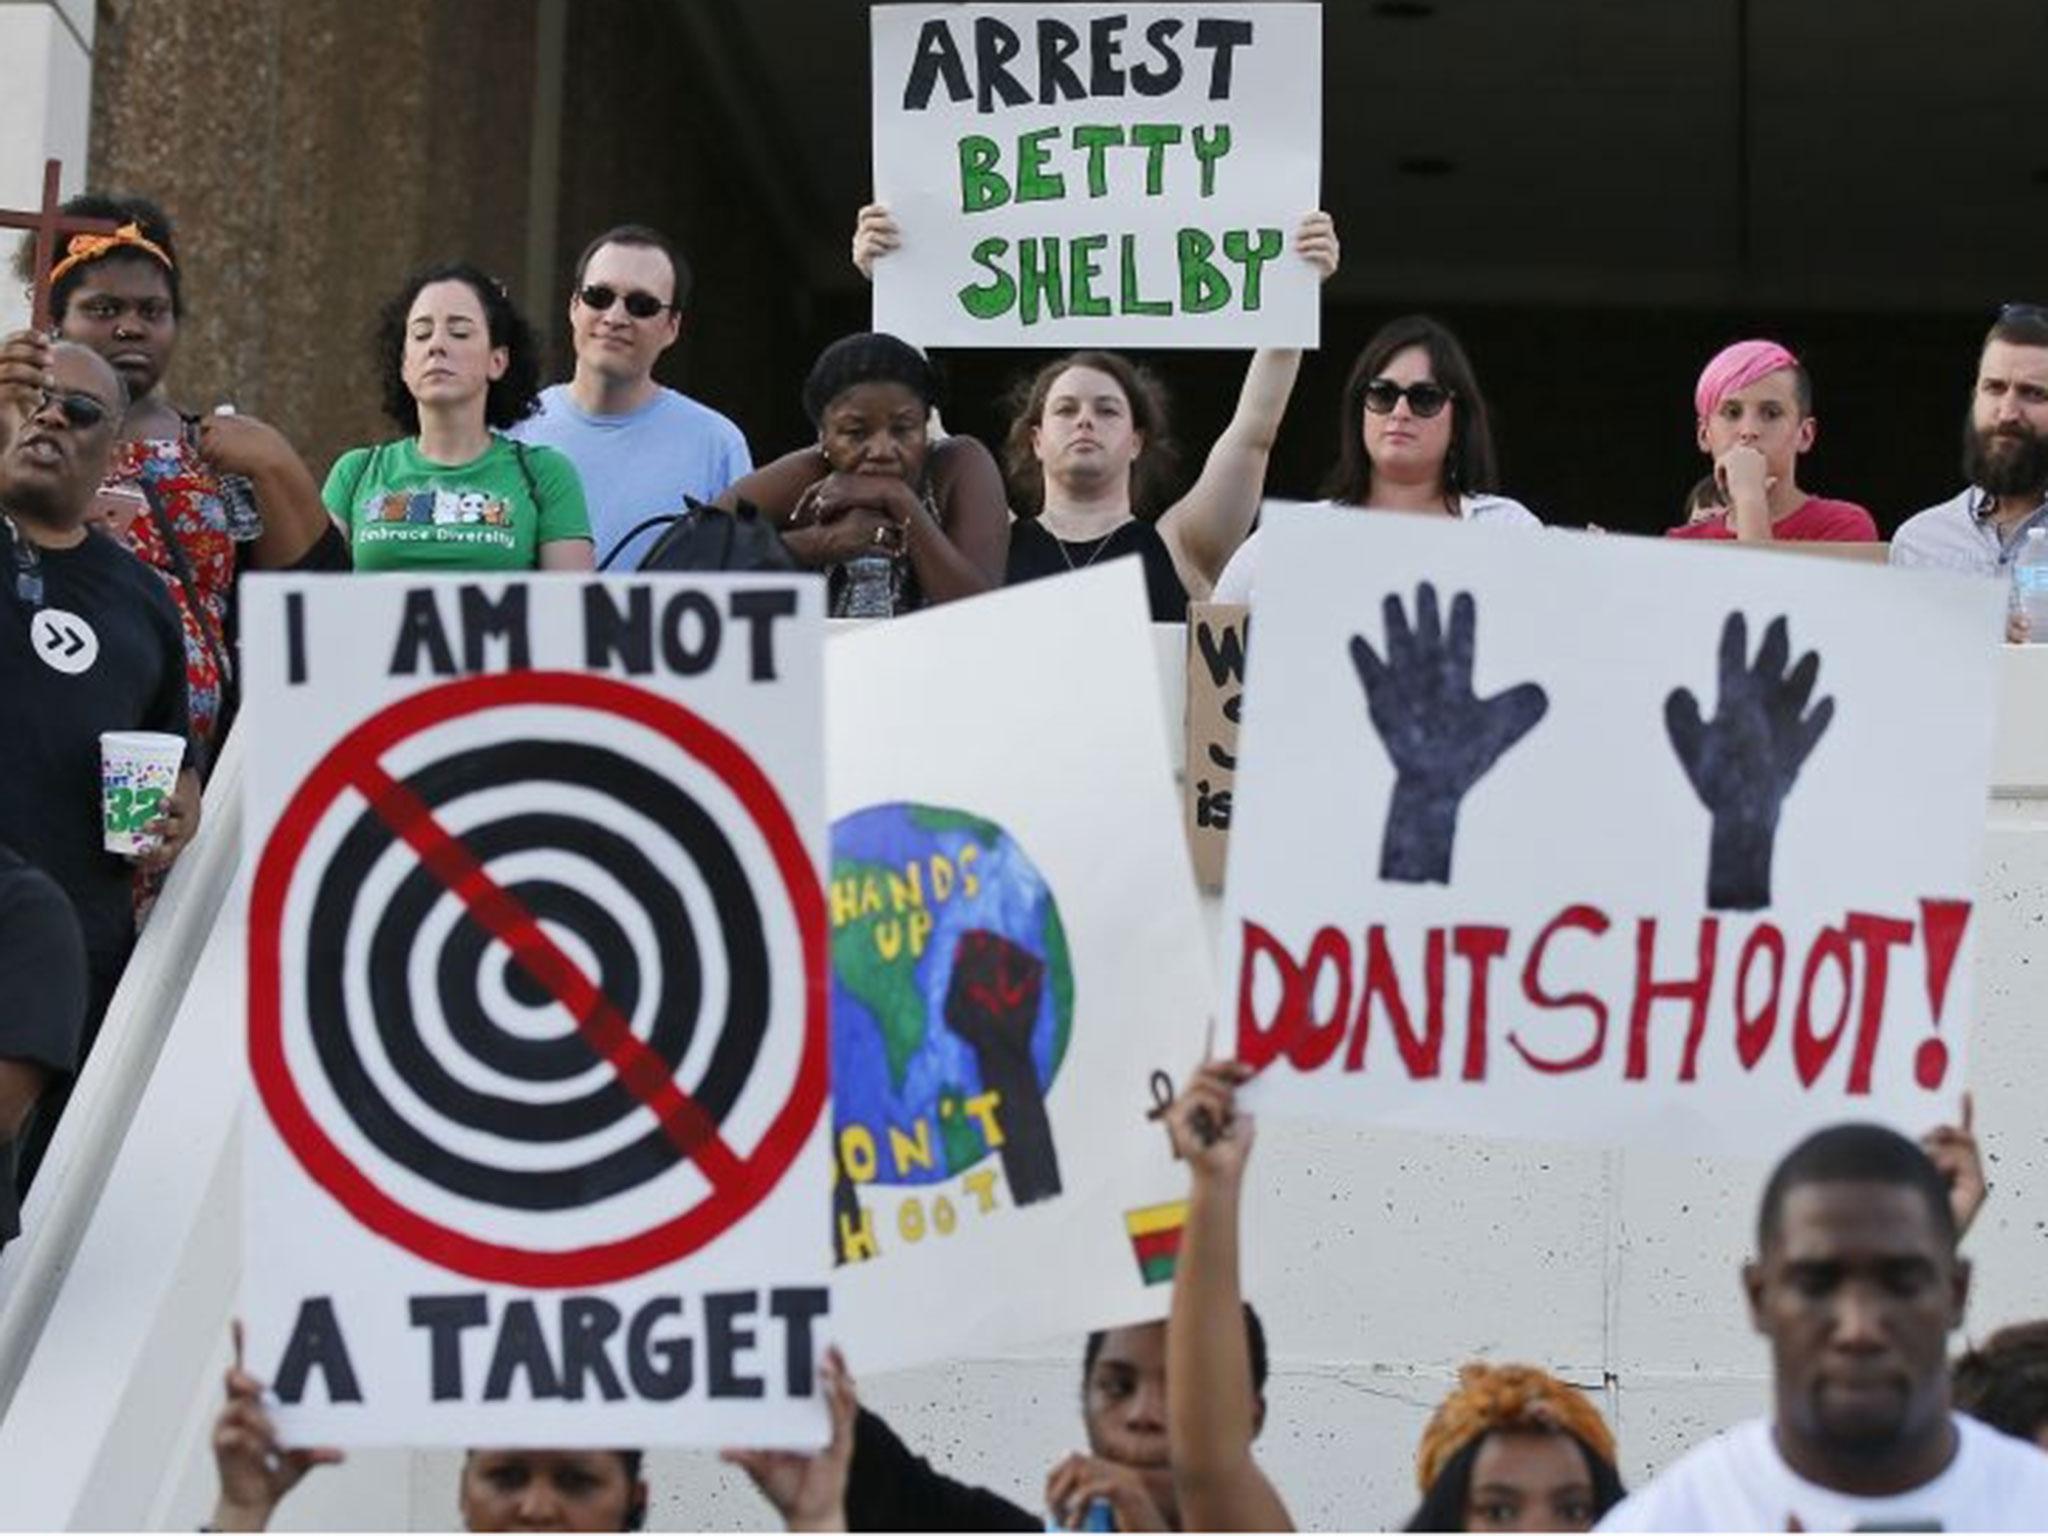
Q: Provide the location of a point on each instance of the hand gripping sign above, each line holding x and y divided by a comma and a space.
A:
536, 1010
1592, 839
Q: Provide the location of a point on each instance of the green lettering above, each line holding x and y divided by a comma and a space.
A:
1034, 183
1132, 304
1153, 139
1251, 254
1203, 289
982, 186
985, 301
1038, 276
1081, 274
1095, 140
1210, 146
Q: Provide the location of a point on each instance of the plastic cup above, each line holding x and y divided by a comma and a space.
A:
138, 770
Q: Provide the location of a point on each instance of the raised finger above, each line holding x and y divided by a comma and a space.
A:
1776, 650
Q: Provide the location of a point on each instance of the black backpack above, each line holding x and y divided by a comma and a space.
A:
708, 538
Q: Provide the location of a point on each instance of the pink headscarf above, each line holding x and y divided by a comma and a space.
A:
1737, 367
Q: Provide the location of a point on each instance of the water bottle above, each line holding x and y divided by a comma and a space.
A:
870, 590
2030, 585
238, 500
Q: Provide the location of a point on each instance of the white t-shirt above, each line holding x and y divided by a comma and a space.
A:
1738, 1482
1240, 576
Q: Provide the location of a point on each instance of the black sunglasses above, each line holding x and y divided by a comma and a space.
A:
601, 296
1424, 397
80, 410
2022, 312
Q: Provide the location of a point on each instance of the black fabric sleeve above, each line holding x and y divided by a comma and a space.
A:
42, 969
170, 710
890, 1489
330, 552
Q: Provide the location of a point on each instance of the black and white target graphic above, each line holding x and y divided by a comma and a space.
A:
536, 978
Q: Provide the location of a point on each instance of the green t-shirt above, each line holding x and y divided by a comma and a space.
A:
405, 513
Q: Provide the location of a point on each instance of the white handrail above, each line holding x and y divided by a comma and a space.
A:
74, 1171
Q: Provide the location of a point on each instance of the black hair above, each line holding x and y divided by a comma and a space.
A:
1856, 1154
1254, 1340
652, 238
2020, 325
2003, 1382
636, 1508
151, 220
513, 396
1149, 416
867, 357
1443, 1506
1469, 464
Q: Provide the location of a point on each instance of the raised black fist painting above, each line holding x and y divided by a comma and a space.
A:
1441, 736
1743, 761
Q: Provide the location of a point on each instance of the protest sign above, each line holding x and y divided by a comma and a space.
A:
1217, 634
1019, 972
1097, 175
1544, 834
537, 1022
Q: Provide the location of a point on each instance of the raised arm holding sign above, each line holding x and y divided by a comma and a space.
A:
1082, 175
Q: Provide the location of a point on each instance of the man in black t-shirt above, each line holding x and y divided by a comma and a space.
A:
42, 979
89, 643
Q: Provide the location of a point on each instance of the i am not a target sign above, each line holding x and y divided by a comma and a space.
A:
536, 1010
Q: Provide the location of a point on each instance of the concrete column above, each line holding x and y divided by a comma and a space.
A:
46, 111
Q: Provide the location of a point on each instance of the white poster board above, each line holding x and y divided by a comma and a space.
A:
536, 1010
1097, 175
1019, 972
1534, 925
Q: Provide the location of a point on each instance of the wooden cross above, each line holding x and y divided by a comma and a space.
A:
49, 223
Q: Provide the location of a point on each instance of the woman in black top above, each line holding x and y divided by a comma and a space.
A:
1088, 452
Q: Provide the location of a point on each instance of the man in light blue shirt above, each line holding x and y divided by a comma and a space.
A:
2005, 458
639, 446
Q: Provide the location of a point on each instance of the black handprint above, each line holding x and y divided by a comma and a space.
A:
1441, 736
1743, 762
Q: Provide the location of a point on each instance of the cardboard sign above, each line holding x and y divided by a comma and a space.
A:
1097, 175
537, 1024
1553, 835
1217, 635
1009, 999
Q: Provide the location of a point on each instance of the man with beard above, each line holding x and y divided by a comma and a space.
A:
2005, 458
1857, 1285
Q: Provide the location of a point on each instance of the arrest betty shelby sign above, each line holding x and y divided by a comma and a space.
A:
537, 1010
1550, 835
1088, 175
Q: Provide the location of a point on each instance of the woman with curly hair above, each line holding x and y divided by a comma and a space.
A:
459, 366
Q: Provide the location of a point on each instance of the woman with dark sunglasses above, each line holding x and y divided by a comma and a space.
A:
1413, 437
197, 499
459, 366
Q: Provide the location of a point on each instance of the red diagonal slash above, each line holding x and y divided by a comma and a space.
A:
646, 1076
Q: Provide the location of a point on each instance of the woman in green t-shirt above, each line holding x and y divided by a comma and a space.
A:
459, 366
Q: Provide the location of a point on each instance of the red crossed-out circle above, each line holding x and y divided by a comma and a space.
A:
739, 1182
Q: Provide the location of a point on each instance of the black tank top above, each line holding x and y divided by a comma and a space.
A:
1034, 552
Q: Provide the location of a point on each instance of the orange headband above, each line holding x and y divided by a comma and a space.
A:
1507, 1397
84, 248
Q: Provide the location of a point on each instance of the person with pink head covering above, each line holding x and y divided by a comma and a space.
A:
1755, 405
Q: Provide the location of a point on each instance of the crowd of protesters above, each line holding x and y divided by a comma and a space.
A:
129, 520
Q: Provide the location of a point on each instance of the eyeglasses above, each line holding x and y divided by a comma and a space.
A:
641, 306
1424, 397
80, 409
2037, 312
